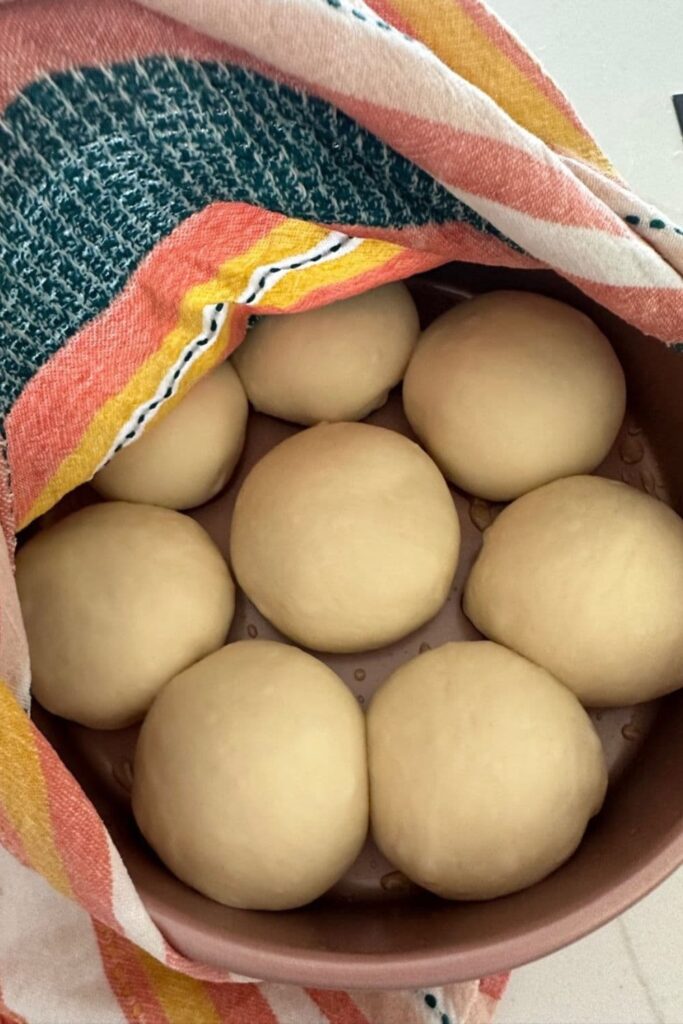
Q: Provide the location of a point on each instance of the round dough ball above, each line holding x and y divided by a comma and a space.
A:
188, 456
338, 362
116, 600
484, 771
510, 390
585, 577
250, 776
345, 537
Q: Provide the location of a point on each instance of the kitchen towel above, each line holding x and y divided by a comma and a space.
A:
166, 171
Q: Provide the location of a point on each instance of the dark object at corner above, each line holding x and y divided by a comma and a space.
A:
678, 107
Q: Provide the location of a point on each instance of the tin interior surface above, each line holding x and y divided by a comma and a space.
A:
375, 929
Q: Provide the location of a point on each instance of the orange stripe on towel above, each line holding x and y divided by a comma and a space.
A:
128, 978
239, 1004
23, 792
338, 1007
80, 837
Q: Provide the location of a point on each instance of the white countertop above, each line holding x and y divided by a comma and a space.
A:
619, 62
629, 972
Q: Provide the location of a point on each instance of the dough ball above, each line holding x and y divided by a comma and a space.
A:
484, 771
189, 455
250, 776
585, 577
511, 390
345, 537
116, 600
338, 362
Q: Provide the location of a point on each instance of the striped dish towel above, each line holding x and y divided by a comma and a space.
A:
165, 171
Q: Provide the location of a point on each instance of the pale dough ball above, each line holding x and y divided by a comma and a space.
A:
345, 537
188, 456
250, 777
510, 390
585, 577
116, 600
338, 362
484, 771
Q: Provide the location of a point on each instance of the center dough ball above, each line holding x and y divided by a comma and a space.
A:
510, 390
484, 771
187, 457
116, 600
338, 362
345, 537
250, 776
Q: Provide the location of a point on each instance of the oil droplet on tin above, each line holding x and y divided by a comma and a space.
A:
630, 731
395, 881
123, 773
481, 513
359, 674
424, 647
360, 698
252, 631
